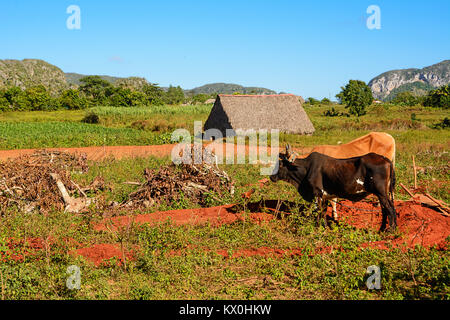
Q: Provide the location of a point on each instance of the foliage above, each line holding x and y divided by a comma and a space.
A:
312, 101
334, 113
417, 88
91, 118
72, 99
439, 98
124, 97
37, 98
200, 98
174, 95
405, 98
325, 101
96, 89
356, 95
444, 124
154, 94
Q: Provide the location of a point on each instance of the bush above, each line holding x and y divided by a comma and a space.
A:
444, 124
174, 95
4, 103
37, 98
72, 100
334, 113
439, 98
325, 101
405, 98
200, 98
91, 118
312, 101
356, 96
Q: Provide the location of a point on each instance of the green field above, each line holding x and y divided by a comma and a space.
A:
197, 273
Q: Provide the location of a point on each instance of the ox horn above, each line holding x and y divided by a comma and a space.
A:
291, 155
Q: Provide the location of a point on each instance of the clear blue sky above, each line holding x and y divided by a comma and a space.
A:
310, 48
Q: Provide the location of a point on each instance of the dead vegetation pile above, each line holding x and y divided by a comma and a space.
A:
37, 181
176, 182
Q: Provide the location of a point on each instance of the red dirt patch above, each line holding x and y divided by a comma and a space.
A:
100, 253
215, 216
122, 152
419, 224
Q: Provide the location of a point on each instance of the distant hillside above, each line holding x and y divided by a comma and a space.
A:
228, 88
31, 72
74, 78
389, 83
418, 88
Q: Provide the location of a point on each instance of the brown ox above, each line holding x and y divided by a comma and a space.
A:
375, 142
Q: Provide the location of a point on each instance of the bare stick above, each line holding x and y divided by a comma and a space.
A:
66, 197
406, 189
79, 189
415, 172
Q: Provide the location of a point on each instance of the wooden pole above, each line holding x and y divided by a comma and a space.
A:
415, 172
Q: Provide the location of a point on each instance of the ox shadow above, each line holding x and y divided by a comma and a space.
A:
281, 209
278, 208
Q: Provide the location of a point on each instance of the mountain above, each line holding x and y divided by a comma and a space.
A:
74, 78
415, 80
228, 88
31, 72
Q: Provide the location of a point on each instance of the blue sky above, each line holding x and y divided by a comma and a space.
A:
310, 48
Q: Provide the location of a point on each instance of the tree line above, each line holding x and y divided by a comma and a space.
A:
357, 96
93, 91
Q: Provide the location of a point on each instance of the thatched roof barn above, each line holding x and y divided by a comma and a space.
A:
283, 112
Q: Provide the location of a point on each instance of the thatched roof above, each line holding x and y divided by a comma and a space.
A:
283, 112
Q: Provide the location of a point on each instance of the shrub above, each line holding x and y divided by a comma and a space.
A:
312, 101
334, 113
200, 98
91, 118
405, 98
444, 124
439, 98
37, 98
72, 100
325, 101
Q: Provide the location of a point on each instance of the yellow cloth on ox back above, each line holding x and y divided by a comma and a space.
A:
376, 142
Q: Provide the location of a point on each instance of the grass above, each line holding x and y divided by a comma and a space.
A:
197, 271
24, 135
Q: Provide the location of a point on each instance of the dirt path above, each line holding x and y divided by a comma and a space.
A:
123, 152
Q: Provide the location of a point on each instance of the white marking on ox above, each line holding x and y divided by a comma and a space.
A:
358, 181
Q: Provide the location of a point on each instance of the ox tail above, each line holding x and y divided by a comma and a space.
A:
392, 182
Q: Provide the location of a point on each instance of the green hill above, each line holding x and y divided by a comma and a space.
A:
31, 72
389, 83
228, 88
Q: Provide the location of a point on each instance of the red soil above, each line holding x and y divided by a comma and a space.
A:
418, 224
122, 152
100, 253
214, 215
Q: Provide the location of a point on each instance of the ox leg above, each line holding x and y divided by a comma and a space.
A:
388, 211
333, 205
322, 210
